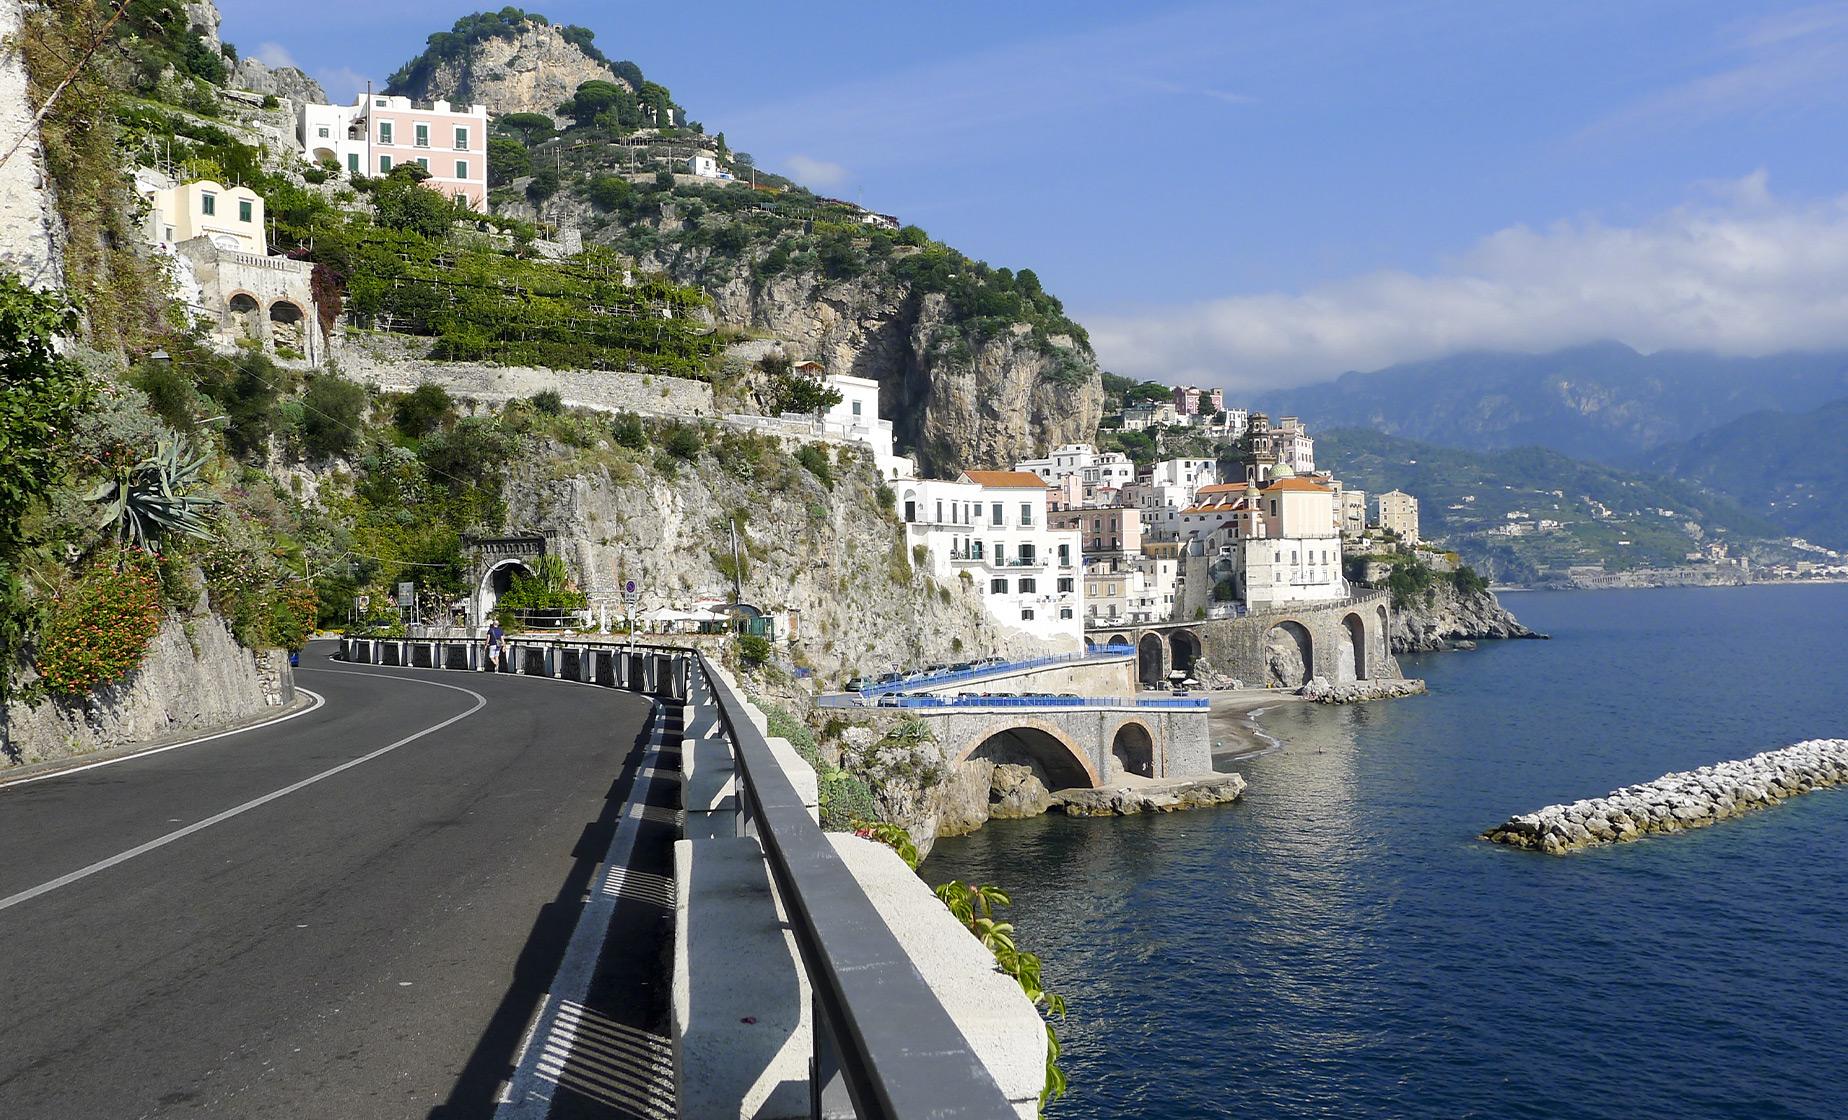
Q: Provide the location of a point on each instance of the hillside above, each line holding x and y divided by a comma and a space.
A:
1603, 402
1523, 514
1796, 464
979, 366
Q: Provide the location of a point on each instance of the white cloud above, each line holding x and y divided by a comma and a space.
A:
342, 83
811, 172
273, 55
1743, 273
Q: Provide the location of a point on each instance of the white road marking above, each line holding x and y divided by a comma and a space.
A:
318, 701
181, 833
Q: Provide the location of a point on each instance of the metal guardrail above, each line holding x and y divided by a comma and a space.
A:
884, 1043
1095, 653
885, 1048
1042, 703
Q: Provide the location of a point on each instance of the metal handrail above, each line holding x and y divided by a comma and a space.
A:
898, 1052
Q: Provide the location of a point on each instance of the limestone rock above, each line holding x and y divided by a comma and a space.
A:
1322, 691
1016, 791
1451, 619
531, 72
285, 82
1150, 797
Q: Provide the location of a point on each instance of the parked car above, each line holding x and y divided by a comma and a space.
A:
889, 700
890, 678
859, 684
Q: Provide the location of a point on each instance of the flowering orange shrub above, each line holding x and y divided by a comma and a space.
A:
98, 631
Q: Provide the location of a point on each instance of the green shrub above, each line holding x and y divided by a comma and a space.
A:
547, 402
98, 631
815, 457
753, 649
332, 407
423, 410
1468, 581
627, 430
543, 185
607, 192
683, 442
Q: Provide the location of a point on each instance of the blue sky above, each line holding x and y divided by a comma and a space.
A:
1261, 193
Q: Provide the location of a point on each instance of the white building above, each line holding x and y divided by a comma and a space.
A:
1066, 459
1398, 512
856, 417
377, 133
1353, 511
1191, 474
706, 166
991, 527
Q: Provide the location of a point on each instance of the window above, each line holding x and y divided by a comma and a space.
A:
1065, 612
423, 162
461, 138
461, 169
1067, 585
322, 132
1065, 554
1028, 554
1090, 589
243, 209
975, 550
1027, 615
384, 165
911, 510
169, 233
421, 135
384, 132
1029, 586
1026, 513
940, 512
1000, 552
997, 587
856, 408
353, 162
380, 102
995, 514
208, 203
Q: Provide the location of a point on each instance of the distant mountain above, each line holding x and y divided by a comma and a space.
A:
1603, 402
1794, 466
1522, 513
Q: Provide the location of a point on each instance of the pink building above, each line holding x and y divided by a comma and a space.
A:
377, 133
1191, 400
1115, 529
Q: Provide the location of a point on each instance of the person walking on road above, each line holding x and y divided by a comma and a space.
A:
496, 642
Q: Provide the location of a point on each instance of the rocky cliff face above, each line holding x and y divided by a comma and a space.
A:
831, 554
1452, 616
195, 678
279, 81
531, 71
956, 400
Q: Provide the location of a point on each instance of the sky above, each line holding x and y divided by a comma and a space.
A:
1257, 195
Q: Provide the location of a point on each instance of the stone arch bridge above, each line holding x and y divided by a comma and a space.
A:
1277, 647
1084, 744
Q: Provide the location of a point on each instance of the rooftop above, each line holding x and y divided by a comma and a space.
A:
1006, 480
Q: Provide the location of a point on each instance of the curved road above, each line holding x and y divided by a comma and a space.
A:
352, 913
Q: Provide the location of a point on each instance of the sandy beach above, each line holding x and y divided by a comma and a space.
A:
1233, 722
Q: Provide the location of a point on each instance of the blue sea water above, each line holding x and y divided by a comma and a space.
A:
1339, 945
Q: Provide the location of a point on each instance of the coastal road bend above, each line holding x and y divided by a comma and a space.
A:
358, 912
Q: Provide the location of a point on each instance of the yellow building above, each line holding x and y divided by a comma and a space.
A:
231, 216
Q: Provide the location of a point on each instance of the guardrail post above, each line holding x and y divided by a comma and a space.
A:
827, 1088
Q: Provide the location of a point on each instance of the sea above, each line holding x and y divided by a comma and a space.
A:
1339, 943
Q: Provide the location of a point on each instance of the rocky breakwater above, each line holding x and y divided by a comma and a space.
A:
1321, 690
1679, 801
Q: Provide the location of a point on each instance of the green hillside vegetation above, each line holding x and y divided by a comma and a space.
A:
1462, 495
1796, 464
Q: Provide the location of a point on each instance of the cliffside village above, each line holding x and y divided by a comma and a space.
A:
1083, 539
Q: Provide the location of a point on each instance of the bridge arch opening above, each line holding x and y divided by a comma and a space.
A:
1352, 665
1289, 655
1149, 660
1134, 749
1054, 760
246, 314
1117, 640
1185, 645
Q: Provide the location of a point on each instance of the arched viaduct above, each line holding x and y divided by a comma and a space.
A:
1078, 747
1281, 647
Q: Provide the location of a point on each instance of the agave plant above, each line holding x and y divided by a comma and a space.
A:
154, 498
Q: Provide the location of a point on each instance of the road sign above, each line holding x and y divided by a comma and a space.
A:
362, 601
407, 594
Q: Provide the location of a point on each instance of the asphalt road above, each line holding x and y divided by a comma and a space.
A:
370, 942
